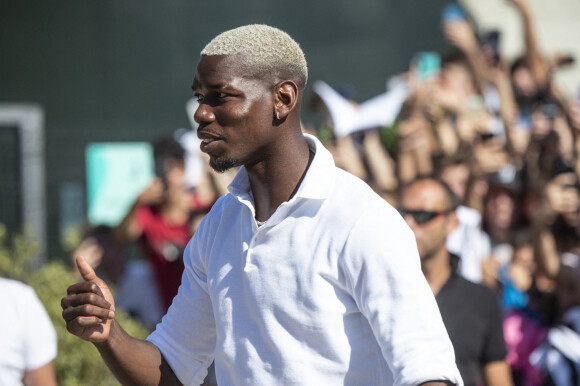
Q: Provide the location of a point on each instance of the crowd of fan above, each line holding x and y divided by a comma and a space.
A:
506, 141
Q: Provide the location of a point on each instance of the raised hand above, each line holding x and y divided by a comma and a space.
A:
153, 194
91, 250
460, 33
89, 308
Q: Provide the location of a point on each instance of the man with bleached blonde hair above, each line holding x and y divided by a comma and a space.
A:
301, 275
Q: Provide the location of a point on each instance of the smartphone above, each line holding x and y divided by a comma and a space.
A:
452, 12
427, 65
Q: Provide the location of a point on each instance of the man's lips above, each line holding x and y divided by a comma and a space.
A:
207, 139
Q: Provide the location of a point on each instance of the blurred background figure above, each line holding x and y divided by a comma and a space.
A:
505, 139
27, 337
470, 311
467, 240
559, 355
164, 217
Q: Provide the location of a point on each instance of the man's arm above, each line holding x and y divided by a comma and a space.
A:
88, 310
134, 361
129, 229
497, 373
381, 164
42, 376
460, 33
411, 319
538, 63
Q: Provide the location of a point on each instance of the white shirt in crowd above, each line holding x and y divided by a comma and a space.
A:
470, 243
329, 291
27, 338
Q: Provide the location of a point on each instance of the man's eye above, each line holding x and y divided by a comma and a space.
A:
221, 95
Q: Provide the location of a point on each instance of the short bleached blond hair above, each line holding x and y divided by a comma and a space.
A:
268, 50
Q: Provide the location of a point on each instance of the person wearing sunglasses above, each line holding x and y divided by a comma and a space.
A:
470, 311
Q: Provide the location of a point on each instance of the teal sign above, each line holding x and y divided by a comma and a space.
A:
116, 173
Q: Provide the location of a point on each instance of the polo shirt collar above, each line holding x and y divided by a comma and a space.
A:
317, 183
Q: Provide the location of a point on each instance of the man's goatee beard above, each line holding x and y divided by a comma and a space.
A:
222, 165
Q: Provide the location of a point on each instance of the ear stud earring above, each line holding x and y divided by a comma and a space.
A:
277, 115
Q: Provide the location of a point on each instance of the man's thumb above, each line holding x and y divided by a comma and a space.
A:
85, 269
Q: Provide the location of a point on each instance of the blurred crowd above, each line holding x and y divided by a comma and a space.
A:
500, 135
505, 140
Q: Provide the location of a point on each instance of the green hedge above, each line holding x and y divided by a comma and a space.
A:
78, 362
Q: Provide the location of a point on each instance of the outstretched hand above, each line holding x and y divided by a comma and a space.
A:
153, 194
460, 33
89, 308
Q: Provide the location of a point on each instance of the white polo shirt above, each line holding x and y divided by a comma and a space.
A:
27, 337
328, 292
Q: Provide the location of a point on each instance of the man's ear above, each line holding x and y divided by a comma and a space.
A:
286, 98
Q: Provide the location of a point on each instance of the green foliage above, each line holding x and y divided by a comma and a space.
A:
325, 134
389, 138
78, 362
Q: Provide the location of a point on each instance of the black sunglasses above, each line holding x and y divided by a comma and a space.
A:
422, 216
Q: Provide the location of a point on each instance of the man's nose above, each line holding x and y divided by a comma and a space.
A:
204, 114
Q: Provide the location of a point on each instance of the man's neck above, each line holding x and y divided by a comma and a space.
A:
437, 270
276, 180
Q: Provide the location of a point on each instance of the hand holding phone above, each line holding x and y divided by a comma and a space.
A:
452, 12
427, 65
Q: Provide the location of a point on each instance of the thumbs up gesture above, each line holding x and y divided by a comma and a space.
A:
89, 308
